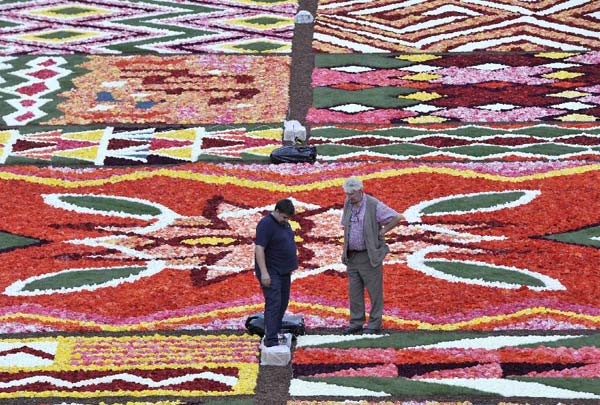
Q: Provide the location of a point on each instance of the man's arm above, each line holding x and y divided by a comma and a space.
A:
390, 225
259, 253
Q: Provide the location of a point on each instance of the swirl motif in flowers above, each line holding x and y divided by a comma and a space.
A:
484, 246
220, 243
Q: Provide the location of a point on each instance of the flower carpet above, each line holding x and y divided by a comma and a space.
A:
490, 247
455, 26
44, 27
134, 145
426, 402
452, 142
434, 88
138, 366
126, 146
144, 89
559, 366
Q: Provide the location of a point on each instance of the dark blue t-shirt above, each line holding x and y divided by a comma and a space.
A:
279, 244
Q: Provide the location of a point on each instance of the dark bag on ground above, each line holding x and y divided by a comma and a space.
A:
293, 324
294, 154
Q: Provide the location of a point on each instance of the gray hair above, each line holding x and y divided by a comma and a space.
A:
352, 184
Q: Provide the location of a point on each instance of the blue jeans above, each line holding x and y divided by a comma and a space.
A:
277, 297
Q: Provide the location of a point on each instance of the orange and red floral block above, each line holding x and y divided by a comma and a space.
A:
511, 245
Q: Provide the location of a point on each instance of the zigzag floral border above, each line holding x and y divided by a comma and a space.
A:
130, 146
137, 366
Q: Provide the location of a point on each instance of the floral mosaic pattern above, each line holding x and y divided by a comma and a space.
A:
88, 367
546, 366
30, 86
455, 26
451, 142
136, 235
472, 88
126, 257
107, 27
87, 146
142, 89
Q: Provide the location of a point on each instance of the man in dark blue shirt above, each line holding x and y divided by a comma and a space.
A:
275, 259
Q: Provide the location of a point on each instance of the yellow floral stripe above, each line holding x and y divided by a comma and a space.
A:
66, 367
458, 325
173, 352
144, 326
274, 186
141, 326
513, 316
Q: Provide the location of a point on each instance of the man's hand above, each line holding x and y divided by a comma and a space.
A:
259, 253
385, 229
265, 280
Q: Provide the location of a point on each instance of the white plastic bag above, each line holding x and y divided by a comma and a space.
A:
279, 355
293, 131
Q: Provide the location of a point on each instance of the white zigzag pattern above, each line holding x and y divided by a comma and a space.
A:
177, 26
49, 347
52, 84
23, 360
231, 381
522, 16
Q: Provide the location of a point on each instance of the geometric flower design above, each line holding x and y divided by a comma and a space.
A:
442, 26
144, 89
30, 86
214, 246
548, 366
76, 367
482, 142
471, 254
510, 88
100, 27
128, 146
213, 251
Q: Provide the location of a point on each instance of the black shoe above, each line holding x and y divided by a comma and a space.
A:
369, 331
351, 330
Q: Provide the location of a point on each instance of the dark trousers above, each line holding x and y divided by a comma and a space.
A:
277, 297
